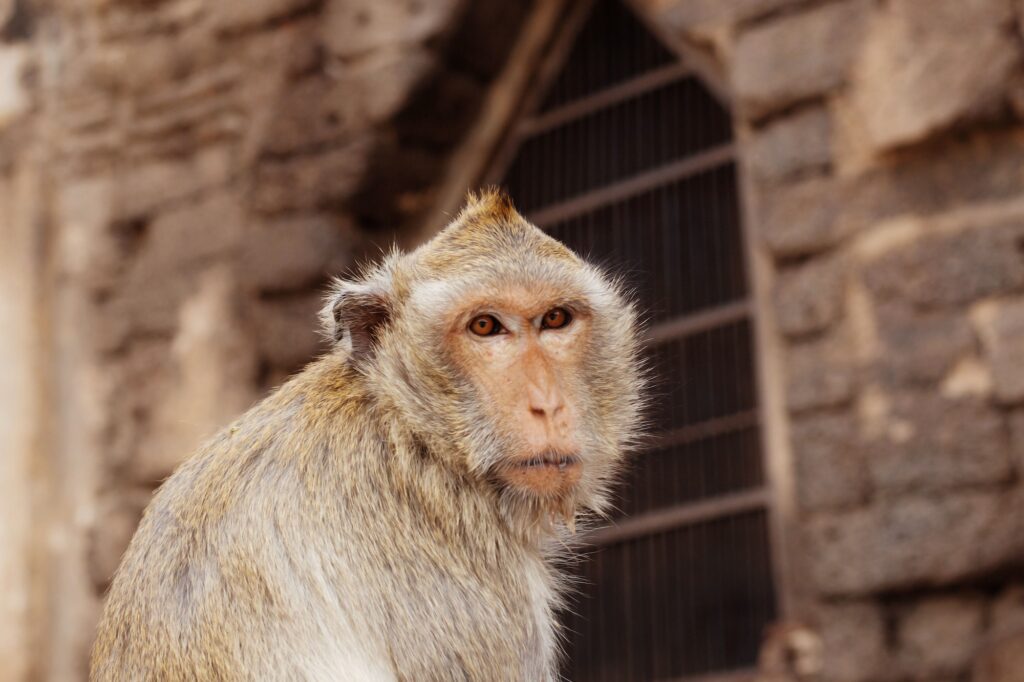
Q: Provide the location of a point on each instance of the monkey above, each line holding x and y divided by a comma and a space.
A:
397, 510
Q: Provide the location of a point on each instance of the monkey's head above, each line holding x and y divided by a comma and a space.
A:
504, 354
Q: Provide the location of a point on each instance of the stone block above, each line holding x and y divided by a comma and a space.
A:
929, 443
310, 181
347, 102
926, 66
1000, 326
1007, 617
809, 298
854, 637
802, 218
288, 329
163, 256
352, 28
1017, 441
118, 515
310, 112
148, 65
14, 97
820, 374
1000, 660
189, 234
791, 145
87, 246
944, 270
232, 16
796, 56
295, 253
920, 347
938, 637
806, 217
905, 543
211, 381
829, 456
940, 177
144, 187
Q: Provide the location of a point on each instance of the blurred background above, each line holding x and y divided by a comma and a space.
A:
820, 203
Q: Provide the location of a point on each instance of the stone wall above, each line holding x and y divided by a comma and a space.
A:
178, 179
885, 149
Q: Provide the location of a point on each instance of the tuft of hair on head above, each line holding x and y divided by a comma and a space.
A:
490, 202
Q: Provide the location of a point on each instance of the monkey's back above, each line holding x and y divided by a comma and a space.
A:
221, 578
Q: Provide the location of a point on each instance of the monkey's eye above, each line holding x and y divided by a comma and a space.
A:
556, 318
485, 325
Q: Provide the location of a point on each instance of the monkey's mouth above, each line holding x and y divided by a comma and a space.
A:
547, 474
556, 460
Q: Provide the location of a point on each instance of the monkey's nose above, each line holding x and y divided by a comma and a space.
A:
545, 402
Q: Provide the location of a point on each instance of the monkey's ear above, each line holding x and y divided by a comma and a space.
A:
355, 314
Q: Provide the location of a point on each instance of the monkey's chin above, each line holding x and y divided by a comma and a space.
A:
548, 475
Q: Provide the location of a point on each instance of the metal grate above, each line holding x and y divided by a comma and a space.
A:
592, 66
629, 160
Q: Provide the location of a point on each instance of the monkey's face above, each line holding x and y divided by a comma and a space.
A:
522, 349
503, 353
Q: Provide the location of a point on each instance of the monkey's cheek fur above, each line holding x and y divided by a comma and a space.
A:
543, 476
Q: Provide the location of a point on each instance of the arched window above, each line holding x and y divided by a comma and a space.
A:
628, 158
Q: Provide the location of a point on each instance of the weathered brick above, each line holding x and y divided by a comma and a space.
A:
188, 234
927, 66
310, 181
1008, 612
295, 253
905, 543
920, 347
236, 15
819, 374
163, 255
809, 298
145, 64
287, 329
806, 217
14, 97
143, 188
938, 637
312, 111
1017, 441
854, 637
324, 109
829, 455
355, 27
210, 380
793, 144
951, 269
87, 246
802, 218
942, 176
1001, 328
796, 57
930, 443
1000, 660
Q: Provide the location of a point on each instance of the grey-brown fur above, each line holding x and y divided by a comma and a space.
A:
348, 527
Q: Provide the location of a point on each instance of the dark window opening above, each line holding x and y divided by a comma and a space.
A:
630, 161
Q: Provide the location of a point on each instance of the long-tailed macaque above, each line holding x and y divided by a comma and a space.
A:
392, 512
